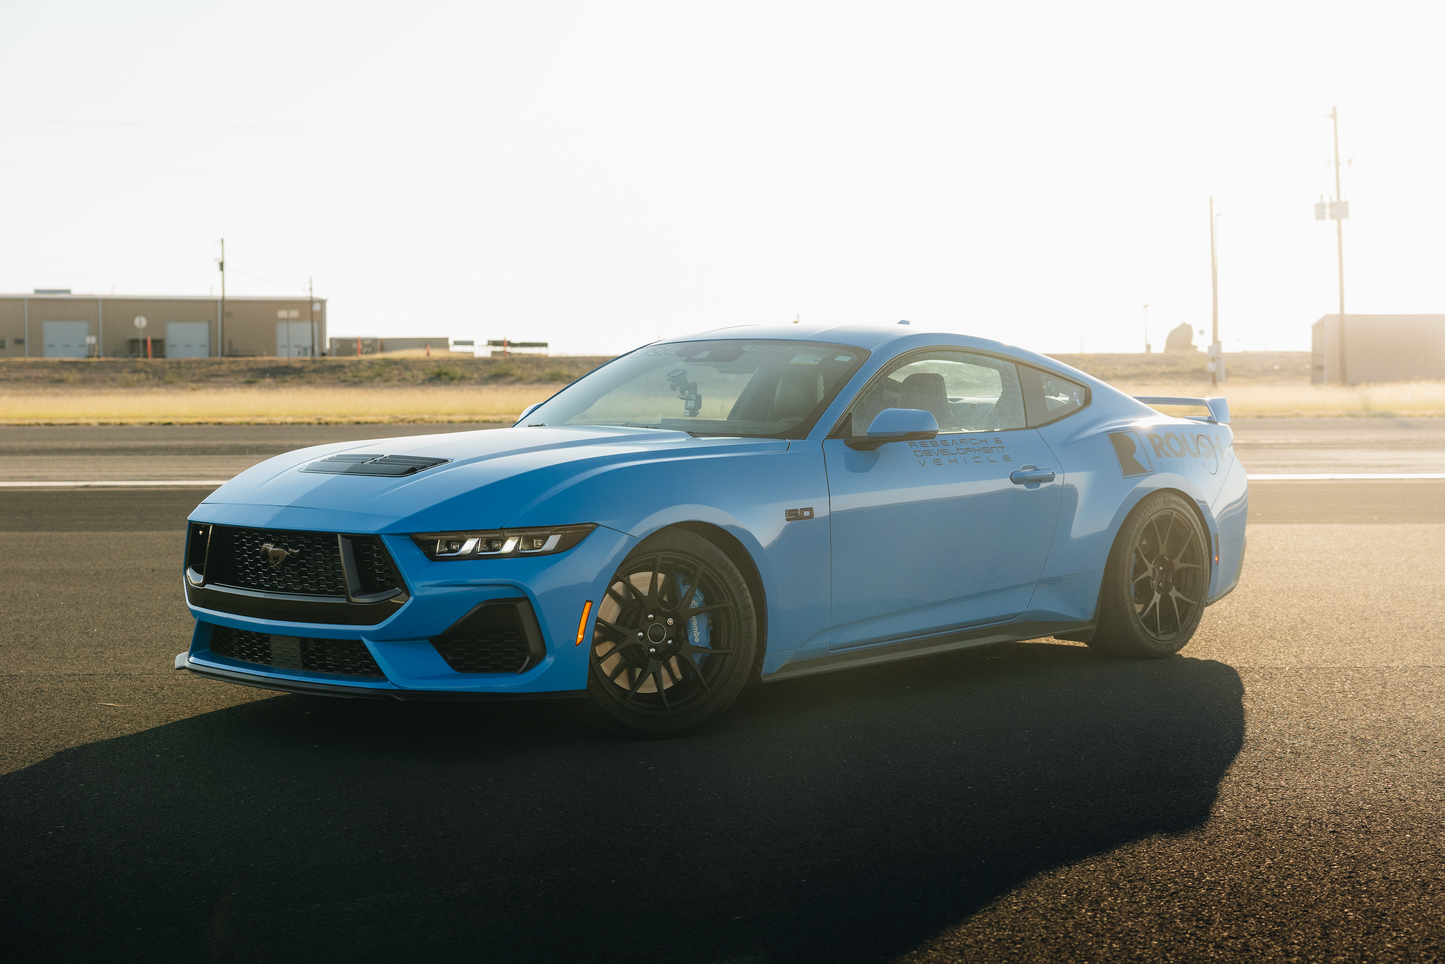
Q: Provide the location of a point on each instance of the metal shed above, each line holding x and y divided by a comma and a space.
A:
1360, 349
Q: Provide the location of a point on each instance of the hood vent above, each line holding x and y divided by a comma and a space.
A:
390, 466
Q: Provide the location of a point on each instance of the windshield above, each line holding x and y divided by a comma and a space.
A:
766, 389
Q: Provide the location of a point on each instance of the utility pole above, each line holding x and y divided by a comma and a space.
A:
311, 314
221, 321
1214, 290
1147, 348
1340, 213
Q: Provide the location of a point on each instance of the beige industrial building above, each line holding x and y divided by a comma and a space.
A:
1363, 349
58, 324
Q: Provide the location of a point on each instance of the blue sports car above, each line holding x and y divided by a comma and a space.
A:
747, 503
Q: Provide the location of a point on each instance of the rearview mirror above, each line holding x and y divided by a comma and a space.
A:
896, 425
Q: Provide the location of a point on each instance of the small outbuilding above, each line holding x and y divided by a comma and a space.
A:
1361, 349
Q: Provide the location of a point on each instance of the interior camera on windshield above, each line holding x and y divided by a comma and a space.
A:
686, 390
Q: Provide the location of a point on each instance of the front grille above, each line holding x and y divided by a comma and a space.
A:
310, 566
493, 638
344, 657
373, 566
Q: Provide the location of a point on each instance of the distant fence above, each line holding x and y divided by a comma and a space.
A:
376, 346
505, 347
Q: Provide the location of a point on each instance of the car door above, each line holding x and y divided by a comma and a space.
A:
931, 536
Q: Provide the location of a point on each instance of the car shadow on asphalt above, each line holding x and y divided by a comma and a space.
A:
843, 817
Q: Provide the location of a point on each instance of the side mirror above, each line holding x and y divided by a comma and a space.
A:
896, 425
525, 412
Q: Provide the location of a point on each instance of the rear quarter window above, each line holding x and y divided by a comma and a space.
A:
1049, 397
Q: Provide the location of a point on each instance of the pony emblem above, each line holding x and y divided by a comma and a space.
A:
276, 555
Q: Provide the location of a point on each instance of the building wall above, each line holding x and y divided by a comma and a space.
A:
12, 328
250, 327
1379, 348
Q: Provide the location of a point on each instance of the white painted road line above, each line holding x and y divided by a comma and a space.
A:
1335, 476
120, 484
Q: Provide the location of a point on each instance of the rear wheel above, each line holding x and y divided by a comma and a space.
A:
1156, 581
674, 640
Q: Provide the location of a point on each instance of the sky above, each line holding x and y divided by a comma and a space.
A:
598, 175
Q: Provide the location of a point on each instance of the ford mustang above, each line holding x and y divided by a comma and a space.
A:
744, 504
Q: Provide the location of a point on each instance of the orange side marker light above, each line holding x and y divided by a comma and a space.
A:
582, 624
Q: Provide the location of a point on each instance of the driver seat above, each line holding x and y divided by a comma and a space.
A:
799, 392
926, 390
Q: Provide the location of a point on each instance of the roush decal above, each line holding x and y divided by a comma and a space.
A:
1176, 450
1133, 460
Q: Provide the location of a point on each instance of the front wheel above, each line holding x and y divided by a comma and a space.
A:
1155, 582
675, 638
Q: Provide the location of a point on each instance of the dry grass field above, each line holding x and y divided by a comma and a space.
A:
306, 404
464, 389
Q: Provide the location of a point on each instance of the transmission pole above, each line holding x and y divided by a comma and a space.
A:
1340, 237
1214, 289
221, 322
311, 314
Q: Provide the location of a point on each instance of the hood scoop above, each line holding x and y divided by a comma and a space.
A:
388, 466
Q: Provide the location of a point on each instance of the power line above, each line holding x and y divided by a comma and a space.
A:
286, 284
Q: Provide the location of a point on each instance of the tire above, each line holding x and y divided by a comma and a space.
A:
1155, 582
653, 671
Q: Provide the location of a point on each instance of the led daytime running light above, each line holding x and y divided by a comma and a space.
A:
500, 543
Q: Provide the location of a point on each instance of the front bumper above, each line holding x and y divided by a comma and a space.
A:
442, 593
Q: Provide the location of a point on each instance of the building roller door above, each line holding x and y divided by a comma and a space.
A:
66, 339
294, 339
188, 339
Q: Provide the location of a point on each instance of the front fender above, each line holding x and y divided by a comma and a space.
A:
743, 489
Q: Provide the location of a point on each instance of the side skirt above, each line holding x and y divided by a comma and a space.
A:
928, 646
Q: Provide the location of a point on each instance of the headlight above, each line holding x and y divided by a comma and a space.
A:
496, 543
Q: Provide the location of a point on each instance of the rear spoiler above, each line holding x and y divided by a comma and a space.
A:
1218, 407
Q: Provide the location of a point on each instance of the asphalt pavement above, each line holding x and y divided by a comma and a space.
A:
1273, 793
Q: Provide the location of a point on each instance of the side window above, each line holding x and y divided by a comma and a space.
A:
964, 391
1049, 397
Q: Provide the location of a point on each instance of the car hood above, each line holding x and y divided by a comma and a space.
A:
491, 480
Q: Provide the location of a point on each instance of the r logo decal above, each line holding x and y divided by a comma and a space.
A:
1127, 448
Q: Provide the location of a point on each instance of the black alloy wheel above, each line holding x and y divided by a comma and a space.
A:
1156, 581
674, 638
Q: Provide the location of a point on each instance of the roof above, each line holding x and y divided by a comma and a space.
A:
874, 336
98, 297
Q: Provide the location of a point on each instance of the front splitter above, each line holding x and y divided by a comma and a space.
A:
321, 688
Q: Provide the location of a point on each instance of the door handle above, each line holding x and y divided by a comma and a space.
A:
1031, 476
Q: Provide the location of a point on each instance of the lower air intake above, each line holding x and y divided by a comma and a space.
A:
344, 657
500, 636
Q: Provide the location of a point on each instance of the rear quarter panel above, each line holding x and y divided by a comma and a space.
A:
1114, 454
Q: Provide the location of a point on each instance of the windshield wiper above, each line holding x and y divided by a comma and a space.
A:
660, 428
